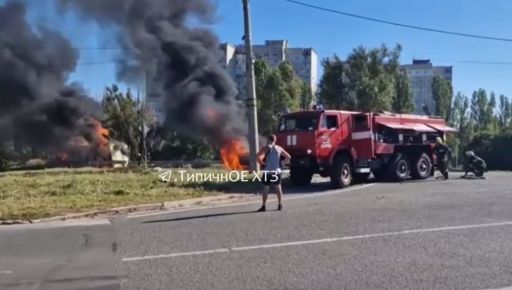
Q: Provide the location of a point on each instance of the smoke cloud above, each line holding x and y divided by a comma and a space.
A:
199, 94
37, 108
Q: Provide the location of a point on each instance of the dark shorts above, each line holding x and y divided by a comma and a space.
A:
442, 165
270, 178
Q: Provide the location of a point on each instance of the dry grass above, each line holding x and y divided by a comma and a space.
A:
38, 194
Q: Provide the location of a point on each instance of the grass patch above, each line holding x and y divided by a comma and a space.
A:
39, 194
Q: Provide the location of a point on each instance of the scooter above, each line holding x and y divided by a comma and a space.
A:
474, 164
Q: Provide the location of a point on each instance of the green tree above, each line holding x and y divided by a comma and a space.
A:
279, 90
368, 80
403, 101
124, 117
172, 145
504, 112
4, 159
490, 117
334, 89
460, 120
372, 77
307, 97
483, 112
442, 92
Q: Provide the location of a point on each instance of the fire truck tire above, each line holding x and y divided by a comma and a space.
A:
341, 175
400, 168
300, 176
422, 167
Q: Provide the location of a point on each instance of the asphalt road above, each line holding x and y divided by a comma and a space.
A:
454, 234
77, 254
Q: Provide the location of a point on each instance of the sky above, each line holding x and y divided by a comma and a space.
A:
332, 34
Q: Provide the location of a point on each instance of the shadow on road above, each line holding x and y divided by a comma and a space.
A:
199, 217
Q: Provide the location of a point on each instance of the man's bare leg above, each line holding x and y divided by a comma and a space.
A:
279, 192
264, 198
266, 189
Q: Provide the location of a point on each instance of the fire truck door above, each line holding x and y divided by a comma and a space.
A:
329, 134
362, 136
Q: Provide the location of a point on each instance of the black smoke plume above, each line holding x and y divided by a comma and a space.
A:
37, 108
155, 39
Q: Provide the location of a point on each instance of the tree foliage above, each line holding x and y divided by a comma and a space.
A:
4, 159
334, 85
504, 111
368, 80
484, 124
279, 91
176, 146
124, 117
491, 148
403, 101
306, 97
442, 93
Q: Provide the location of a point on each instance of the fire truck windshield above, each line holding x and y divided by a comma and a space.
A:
296, 123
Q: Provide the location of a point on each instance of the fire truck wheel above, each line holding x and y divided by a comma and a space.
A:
341, 175
400, 168
422, 167
300, 176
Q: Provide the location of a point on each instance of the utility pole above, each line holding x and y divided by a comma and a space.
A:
251, 90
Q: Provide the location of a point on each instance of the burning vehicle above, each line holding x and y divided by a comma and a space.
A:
234, 154
95, 148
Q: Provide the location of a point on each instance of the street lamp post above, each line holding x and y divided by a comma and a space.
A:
251, 90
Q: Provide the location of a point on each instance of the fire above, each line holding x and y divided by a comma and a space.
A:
232, 152
92, 147
101, 140
102, 134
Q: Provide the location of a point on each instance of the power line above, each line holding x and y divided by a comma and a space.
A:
104, 48
96, 63
398, 24
486, 62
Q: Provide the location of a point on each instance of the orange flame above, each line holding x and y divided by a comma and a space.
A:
101, 139
232, 152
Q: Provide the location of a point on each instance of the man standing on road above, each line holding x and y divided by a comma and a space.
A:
270, 158
443, 155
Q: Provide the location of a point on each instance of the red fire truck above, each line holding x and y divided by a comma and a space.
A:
348, 146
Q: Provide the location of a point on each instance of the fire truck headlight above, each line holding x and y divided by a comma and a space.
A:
309, 151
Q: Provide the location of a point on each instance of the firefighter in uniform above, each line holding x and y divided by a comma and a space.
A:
443, 154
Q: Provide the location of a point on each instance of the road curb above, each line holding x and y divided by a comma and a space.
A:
209, 200
187, 203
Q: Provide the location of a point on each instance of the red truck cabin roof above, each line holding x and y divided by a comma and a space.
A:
317, 113
395, 121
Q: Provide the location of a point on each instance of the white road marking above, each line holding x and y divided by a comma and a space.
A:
304, 196
5, 272
506, 288
319, 241
176, 255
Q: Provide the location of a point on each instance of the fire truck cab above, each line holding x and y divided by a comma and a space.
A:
348, 146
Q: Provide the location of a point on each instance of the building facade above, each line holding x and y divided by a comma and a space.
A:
303, 60
421, 74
